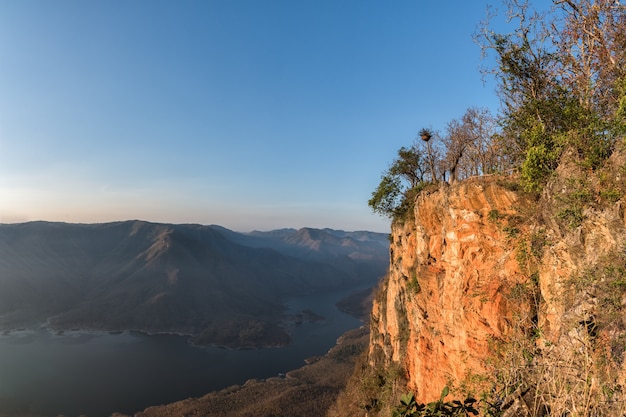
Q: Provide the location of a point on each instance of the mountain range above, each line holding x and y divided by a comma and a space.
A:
216, 285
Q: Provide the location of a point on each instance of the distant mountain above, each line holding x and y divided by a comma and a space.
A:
217, 285
308, 243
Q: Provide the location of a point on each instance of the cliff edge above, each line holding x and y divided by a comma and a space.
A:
512, 298
444, 297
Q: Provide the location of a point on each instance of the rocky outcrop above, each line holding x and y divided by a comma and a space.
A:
443, 299
493, 291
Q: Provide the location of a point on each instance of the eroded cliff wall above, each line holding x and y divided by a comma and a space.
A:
491, 290
443, 299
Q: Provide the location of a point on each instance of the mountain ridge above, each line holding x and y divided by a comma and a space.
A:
220, 286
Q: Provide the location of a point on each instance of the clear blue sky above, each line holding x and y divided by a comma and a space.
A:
253, 114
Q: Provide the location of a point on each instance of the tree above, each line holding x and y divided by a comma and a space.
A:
469, 145
426, 136
467, 149
524, 74
590, 37
558, 76
409, 166
408, 172
387, 197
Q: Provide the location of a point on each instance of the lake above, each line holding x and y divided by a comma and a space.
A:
43, 374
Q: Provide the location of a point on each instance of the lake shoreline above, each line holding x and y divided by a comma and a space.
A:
351, 304
47, 372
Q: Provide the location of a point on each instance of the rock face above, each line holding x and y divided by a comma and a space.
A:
443, 301
493, 291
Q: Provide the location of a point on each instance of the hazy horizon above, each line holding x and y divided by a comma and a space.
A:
246, 114
254, 229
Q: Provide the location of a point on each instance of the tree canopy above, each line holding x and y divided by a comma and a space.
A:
561, 80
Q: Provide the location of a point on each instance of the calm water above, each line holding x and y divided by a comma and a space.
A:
46, 375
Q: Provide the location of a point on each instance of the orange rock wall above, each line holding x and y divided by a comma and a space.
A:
454, 269
442, 301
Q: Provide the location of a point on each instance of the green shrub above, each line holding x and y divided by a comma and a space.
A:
612, 195
540, 162
573, 216
494, 216
410, 408
511, 231
413, 286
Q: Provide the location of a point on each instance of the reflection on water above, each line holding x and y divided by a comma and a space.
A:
98, 374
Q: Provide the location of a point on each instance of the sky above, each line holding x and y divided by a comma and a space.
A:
250, 114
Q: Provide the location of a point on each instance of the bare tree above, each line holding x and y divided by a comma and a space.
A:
576, 49
525, 62
426, 135
590, 36
469, 144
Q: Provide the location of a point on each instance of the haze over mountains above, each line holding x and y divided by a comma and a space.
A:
219, 286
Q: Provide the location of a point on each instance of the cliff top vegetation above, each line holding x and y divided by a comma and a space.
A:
561, 80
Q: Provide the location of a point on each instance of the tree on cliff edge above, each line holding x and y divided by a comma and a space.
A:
561, 75
412, 169
470, 146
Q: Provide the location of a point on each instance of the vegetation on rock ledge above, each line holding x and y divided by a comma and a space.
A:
562, 83
561, 78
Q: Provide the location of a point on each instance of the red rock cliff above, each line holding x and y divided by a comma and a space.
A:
482, 274
442, 301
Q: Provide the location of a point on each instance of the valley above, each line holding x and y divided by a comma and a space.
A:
217, 286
